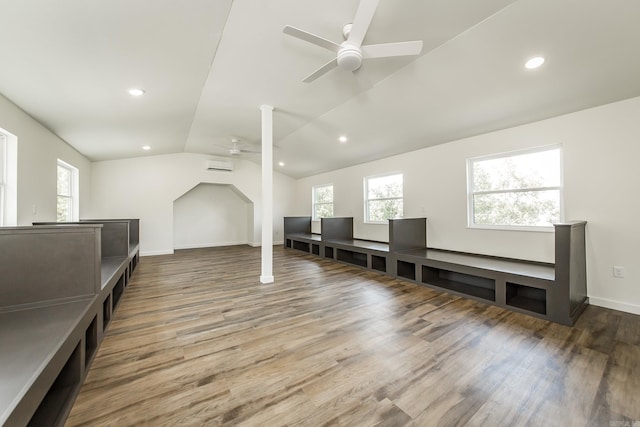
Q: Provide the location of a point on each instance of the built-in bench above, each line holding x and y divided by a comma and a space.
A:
555, 292
49, 319
60, 286
336, 242
133, 231
297, 231
116, 260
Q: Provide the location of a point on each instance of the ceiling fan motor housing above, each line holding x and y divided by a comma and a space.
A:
349, 58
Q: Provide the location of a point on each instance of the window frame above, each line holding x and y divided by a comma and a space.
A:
3, 178
314, 203
74, 197
512, 227
367, 219
9, 171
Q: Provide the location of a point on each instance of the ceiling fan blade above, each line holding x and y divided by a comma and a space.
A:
322, 70
362, 20
311, 38
392, 49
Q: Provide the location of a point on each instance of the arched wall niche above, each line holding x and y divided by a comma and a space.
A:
210, 215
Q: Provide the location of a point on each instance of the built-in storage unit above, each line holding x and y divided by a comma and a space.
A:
119, 253
556, 292
527, 298
352, 257
55, 303
133, 231
406, 270
379, 263
337, 237
468, 284
297, 231
328, 252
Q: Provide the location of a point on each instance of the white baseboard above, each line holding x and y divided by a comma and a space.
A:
154, 253
209, 245
615, 305
258, 244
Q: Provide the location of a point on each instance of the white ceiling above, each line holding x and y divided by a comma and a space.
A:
208, 65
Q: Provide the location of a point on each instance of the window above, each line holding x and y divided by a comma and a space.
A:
520, 190
383, 198
8, 179
67, 209
3, 178
322, 202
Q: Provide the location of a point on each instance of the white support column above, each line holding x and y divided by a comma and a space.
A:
267, 194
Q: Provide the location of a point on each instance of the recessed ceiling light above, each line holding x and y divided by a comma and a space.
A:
280, 163
136, 92
146, 147
534, 62
342, 139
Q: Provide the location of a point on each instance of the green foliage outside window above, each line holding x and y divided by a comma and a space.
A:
64, 211
322, 202
384, 198
521, 190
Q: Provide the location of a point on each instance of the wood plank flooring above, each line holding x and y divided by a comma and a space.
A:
198, 341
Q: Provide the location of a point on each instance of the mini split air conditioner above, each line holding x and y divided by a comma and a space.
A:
218, 165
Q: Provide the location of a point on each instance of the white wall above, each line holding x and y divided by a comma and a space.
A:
146, 187
210, 215
38, 151
601, 148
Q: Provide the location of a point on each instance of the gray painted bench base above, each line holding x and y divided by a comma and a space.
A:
57, 296
555, 292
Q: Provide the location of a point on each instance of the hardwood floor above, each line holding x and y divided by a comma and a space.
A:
198, 341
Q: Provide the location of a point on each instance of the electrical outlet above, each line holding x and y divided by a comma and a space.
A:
618, 271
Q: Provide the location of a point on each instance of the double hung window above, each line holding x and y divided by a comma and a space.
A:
383, 198
521, 190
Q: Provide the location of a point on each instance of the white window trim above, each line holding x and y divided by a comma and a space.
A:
366, 195
75, 189
313, 199
9, 206
3, 177
470, 193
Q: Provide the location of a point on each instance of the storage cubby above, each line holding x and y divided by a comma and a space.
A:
328, 252
53, 407
480, 287
118, 290
527, 298
379, 263
315, 249
406, 270
106, 312
91, 340
301, 246
352, 257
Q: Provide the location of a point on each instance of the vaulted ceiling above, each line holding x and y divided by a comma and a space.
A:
207, 66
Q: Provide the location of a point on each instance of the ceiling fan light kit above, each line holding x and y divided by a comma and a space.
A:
349, 58
350, 53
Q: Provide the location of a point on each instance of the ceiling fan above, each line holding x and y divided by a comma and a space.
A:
237, 148
350, 53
